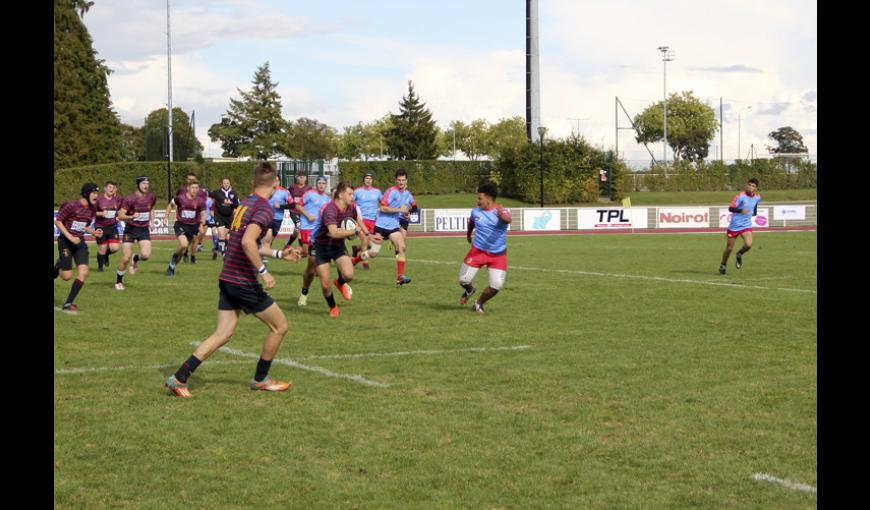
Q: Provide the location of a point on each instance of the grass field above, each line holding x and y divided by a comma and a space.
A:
612, 372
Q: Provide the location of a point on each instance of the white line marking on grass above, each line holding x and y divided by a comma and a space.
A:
629, 276
764, 477
89, 370
414, 353
290, 363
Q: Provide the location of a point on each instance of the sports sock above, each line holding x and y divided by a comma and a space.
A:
401, 264
356, 259
74, 291
330, 300
174, 261
106, 258
341, 281
193, 259
305, 291
100, 260
136, 258
262, 369
120, 275
187, 368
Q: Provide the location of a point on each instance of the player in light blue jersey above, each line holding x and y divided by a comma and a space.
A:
487, 233
367, 198
280, 201
395, 203
743, 207
308, 206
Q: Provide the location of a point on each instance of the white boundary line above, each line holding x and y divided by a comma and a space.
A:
629, 276
90, 370
764, 477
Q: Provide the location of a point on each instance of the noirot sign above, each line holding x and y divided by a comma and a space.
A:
684, 217
617, 217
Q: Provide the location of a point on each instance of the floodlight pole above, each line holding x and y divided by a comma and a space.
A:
169, 117
667, 56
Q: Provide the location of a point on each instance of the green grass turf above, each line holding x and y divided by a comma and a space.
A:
644, 385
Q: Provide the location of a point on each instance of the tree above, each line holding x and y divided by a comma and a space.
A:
507, 135
413, 133
132, 143
86, 128
788, 141
691, 126
253, 126
184, 144
309, 139
351, 143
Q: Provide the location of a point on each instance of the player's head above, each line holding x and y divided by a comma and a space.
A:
752, 186
225, 183
143, 184
110, 188
368, 178
343, 193
192, 187
401, 178
300, 179
90, 192
264, 179
189, 176
321, 184
486, 195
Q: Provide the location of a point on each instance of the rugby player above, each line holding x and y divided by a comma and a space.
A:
240, 290
137, 211
73, 221
308, 274
189, 220
279, 201
107, 219
487, 234
367, 198
210, 223
308, 206
329, 244
226, 200
743, 207
395, 203
197, 239
297, 190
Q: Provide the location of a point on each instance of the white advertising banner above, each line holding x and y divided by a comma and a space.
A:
684, 217
451, 220
761, 220
611, 217
287, 225
542, 219
789, 212
160, 225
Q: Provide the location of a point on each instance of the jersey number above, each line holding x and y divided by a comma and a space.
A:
237, 217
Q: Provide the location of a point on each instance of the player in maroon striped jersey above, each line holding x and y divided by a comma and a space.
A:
137, 211
202, 194
107, 219
240, 289
189, 220
73, 221
329, 243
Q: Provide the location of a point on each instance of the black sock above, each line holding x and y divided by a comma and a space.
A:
187, 368
262, 369
330, 300
193, 258
136, 258
106, 258
74, 291
304, 290
120, 276
341, 281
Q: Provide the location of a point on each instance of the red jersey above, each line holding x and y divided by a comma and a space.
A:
109, 207
296, 191
75, 217
139, 206
330, 214
237, 266
189, 210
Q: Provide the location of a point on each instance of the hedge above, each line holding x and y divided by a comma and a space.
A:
717, 176
424, 177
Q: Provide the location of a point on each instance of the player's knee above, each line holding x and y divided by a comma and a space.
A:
496, 279
66, 276
82, 273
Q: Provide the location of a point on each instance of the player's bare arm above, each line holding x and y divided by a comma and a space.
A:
339, 233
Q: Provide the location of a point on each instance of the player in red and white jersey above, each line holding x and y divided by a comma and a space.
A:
189, 220
137, 212
107, 219
329, 243
73, 221
240, 289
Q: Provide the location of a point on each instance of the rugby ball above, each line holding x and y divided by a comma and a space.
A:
349, 224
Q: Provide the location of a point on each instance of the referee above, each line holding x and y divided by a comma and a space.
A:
225, 202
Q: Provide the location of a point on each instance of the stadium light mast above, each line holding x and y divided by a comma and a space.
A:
667, 56
169, 117
533, 79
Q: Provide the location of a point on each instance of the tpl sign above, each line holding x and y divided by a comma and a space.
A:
611, 215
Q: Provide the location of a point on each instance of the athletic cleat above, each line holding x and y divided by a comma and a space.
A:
402, 280
199, 248
178, 388
466, 295
477, 307
269, 384
739, 258
170, 271
333, 312
186, 258
346, 291
366, 266
100, 269
119, 286
722, 269
303, 300
70, 308
193, 260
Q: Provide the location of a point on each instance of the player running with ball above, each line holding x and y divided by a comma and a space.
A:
487, 233
742, 208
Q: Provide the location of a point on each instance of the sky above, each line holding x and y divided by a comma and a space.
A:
343, 62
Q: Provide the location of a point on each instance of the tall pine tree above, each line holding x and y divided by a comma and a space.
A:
413, 133
86, 129
253, 126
